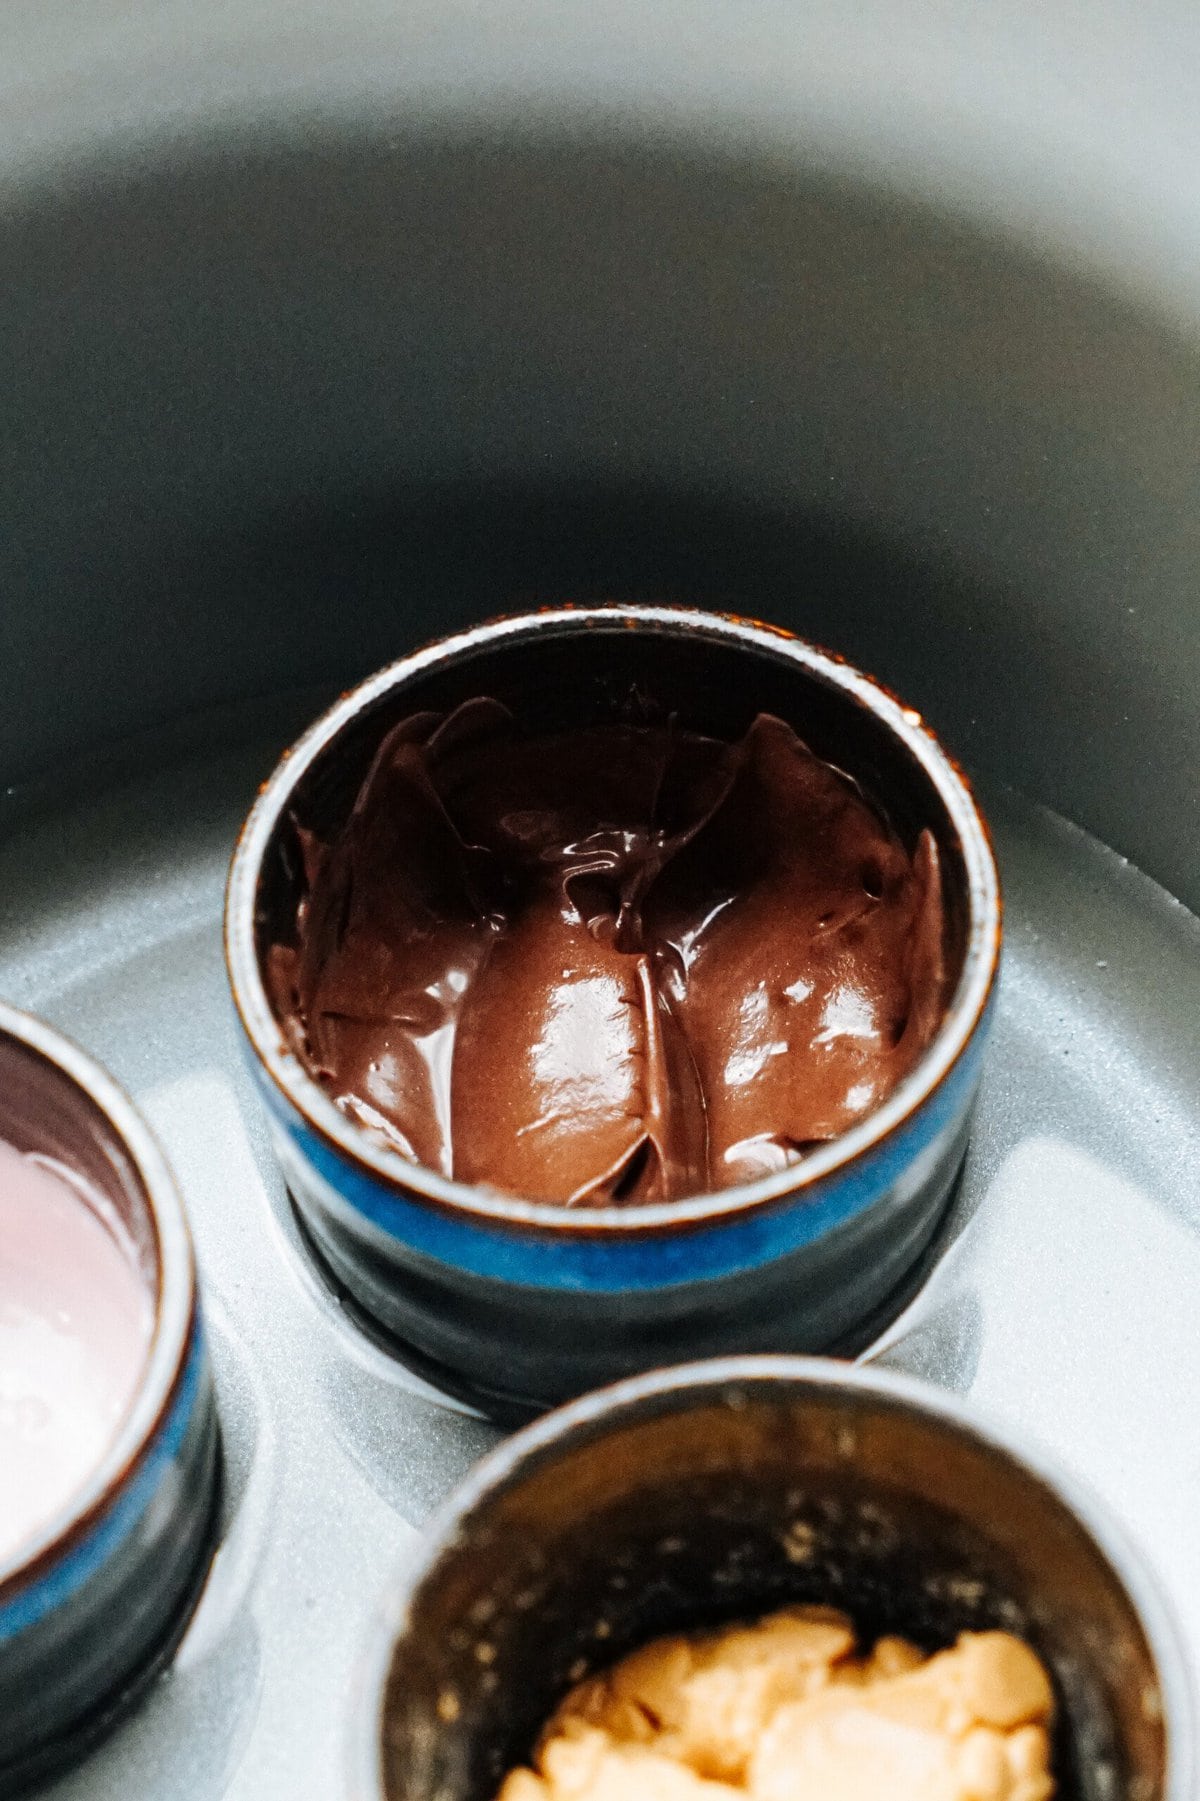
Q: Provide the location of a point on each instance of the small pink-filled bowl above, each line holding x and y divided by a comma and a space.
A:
96, 1591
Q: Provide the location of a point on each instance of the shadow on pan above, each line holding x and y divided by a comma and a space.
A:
282, 410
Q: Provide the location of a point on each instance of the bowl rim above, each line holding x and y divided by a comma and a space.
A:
691, 1383
174, 1300
491, 1207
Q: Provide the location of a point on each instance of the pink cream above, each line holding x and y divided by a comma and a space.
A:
75, 1325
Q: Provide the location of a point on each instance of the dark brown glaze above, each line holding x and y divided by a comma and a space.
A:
617, 964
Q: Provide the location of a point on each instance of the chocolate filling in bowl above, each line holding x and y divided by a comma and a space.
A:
617, 964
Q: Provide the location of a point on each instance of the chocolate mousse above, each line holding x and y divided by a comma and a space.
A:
613, 965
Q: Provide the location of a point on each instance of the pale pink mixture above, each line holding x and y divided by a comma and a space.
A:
75, 1324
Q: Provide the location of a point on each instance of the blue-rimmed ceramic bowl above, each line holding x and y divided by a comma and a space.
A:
91, 1610
515, 1305
724, 1490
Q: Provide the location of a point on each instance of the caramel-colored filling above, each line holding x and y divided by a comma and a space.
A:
618, 964
787, 1711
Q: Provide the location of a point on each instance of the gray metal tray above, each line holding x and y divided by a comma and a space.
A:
1069, 1286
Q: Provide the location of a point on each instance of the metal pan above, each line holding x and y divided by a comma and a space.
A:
321, 340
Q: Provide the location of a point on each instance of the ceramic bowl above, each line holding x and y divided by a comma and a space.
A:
725, 1490
91, 1610
515, 1305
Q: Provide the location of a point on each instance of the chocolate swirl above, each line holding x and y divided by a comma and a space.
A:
613, 965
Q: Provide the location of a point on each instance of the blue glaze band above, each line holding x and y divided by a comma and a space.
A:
724, 1246
72, 1572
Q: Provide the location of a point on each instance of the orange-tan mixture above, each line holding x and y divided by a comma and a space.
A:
787, 1710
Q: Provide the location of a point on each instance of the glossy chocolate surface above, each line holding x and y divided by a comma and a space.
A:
616, 964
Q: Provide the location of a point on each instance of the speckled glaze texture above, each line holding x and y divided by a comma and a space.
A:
92, 1609
515, 1305
722, 1491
